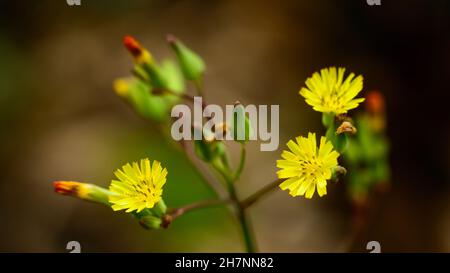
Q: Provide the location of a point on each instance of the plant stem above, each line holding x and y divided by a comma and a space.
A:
240, 211
175, 213
225, 160
184, 96
199, 86
228, 176
241, 163
259, 194
209, 184
229, 179
243, 221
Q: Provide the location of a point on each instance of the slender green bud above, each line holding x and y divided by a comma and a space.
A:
191, 64
240, 125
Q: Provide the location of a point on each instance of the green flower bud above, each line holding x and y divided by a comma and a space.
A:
191, 64
173, 77
155, 75
240, 125
147, 104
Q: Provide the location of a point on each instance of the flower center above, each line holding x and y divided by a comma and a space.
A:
311, 167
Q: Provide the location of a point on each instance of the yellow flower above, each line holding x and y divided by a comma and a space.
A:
138, 187
306, 167
328, 92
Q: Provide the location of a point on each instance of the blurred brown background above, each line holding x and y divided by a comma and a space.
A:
60, 118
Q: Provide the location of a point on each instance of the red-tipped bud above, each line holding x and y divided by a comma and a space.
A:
67, 187
132, 45
83, 191
139, 53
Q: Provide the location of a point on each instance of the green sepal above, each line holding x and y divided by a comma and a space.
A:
327, 119
159, 209
100, 195
150, 222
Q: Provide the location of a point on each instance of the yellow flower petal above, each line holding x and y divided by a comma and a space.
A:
310, 192
307, 166
139, 186
328, 92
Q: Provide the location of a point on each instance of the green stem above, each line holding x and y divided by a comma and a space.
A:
238, 173
243, 221
172, 214
199, 86
225, 160
259, 194
218, 165
191, 161
240, 210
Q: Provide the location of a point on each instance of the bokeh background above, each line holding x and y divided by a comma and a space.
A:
60, 119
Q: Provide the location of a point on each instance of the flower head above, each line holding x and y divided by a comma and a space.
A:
328, 92
307, 167
139, 186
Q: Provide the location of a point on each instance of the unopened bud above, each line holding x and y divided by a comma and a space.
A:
140, 54
191, 64
85, 191
121, 87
